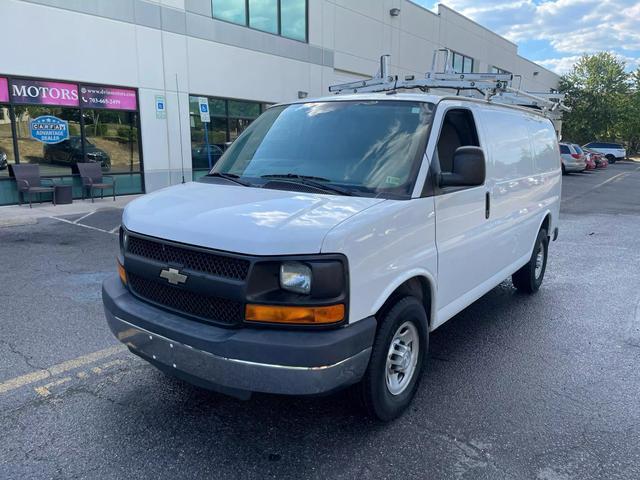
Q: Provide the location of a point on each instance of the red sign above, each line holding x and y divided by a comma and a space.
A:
42, 92
4, 90
108, 97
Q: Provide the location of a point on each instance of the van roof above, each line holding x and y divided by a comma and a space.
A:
411, 97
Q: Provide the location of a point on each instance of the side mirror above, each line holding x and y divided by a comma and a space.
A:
468, 168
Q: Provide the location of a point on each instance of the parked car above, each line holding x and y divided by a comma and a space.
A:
589, 161
598, 158
4, 159
611, 151
70, 152
572, 160
332, 237
200, 156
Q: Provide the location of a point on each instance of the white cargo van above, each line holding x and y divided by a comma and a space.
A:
331, 238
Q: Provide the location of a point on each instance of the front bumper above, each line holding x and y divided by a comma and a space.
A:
238, 361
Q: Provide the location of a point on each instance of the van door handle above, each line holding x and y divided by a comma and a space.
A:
487, 205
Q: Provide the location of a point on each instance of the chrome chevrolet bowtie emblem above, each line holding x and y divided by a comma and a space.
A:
173, 276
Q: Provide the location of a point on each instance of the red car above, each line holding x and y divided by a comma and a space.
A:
588, 159
598, 158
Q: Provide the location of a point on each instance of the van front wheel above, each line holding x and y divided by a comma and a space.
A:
397, 357
529, 278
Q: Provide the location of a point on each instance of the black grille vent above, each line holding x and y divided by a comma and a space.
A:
213, 309
210, 263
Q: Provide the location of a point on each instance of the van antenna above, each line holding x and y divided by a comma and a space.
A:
180, 127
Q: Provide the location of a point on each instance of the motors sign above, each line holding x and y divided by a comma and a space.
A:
40, 92
49, 129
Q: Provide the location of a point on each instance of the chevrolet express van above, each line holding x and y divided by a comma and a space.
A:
330, 239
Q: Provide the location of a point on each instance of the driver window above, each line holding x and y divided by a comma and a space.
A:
458, 130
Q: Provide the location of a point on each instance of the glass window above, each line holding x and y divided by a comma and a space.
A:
7, 156
564, 149
54, 159
263, 15
365, 146
238, 108
293, 19
457, 63
112, 140
230, 10
467, 67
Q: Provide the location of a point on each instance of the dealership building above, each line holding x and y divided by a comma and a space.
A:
155, 90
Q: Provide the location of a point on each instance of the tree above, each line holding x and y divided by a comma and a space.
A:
598, 93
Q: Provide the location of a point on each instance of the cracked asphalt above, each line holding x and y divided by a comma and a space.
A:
544, 387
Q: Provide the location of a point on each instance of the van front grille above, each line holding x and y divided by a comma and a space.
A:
196, 260
203, 307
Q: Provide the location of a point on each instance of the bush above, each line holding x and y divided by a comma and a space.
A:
128, 133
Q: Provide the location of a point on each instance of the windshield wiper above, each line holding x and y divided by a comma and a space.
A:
311, 181
232, 177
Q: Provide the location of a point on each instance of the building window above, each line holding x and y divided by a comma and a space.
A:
229, 118
7, 156
499, 71
460, 63
234, 11
287, 18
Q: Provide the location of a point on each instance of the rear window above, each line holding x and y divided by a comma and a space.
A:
564, 149
578, 149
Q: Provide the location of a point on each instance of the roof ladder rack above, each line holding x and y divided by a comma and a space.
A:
494, 87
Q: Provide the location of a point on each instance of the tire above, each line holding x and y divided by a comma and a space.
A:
381, 396
528, 279
611, 159
564, 171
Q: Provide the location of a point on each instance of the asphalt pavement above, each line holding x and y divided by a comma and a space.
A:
517, 387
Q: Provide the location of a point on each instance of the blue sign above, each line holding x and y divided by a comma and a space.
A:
49, 129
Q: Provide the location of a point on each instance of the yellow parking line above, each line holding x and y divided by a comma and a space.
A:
44, 390
63, 367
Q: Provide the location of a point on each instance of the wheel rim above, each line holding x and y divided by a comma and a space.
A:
539, 261
402, 358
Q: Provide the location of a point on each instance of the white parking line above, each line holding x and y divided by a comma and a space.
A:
111, 232
84, 216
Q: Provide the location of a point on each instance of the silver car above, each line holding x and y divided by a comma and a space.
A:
572, 159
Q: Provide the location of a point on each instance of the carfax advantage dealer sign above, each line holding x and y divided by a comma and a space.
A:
49, 129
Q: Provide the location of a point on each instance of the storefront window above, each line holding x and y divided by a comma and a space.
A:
7, 156
293, 19
58, 124
112, 140
228, 119
54, 158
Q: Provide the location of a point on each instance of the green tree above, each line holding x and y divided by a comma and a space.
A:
598, 93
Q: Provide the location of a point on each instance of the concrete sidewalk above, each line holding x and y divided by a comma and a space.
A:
14, 215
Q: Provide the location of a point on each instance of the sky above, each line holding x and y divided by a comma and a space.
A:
555, 33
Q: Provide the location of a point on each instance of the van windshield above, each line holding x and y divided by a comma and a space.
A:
358, 147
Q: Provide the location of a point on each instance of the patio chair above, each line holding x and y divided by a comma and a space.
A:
29, 182
92, 179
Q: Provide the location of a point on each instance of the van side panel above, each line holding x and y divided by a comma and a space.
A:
524, 165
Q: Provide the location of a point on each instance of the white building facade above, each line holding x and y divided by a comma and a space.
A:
136, 73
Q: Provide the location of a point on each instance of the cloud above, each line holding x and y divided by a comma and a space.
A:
568, 28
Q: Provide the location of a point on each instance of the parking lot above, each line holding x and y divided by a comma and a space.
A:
544, 386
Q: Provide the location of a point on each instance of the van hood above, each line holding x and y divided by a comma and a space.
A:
254, 221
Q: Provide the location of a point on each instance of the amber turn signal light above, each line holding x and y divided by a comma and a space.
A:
295, 315
122, 273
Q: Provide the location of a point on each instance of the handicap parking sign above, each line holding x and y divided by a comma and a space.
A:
49, 129
204, 110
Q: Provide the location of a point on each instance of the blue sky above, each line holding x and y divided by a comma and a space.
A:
555, 33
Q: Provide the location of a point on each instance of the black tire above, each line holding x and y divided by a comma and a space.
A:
564, 171
525, 279
372, 392
611, 159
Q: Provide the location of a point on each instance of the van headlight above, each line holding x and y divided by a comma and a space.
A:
124, 240
295, 277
